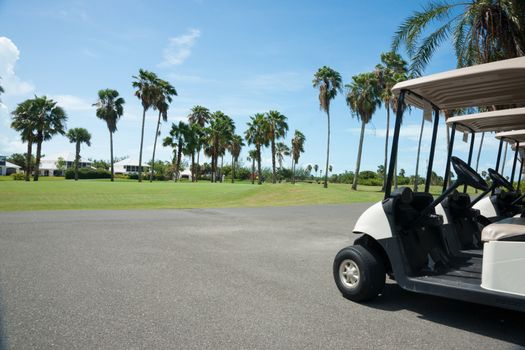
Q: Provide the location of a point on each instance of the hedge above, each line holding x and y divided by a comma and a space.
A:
88, 173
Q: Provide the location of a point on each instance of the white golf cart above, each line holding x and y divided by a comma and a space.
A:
402, 235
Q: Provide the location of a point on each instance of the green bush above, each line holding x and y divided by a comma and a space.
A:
18, 176
88, 173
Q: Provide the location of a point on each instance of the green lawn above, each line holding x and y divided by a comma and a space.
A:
58, 194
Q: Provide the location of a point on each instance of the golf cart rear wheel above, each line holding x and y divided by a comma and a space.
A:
359, 273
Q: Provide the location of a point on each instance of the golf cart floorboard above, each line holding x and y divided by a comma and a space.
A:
463, 282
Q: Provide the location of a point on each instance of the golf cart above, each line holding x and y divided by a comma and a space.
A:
402, 235
463, 218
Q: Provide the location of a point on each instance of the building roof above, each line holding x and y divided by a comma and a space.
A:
11, 165
502, 120
496, 83
130, 162
67, 156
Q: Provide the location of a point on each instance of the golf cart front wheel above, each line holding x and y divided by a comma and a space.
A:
359, 273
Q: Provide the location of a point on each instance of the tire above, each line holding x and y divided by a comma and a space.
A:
367, 273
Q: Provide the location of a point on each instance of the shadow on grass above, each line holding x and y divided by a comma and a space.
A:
496, 323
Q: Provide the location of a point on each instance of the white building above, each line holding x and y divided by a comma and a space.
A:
129, 166
48, 165
7, 168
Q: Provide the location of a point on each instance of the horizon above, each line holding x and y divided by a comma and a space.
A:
222, 57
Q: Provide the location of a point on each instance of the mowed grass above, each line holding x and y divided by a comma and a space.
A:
102, 194
58, 194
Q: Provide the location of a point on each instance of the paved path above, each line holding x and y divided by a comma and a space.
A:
215, 279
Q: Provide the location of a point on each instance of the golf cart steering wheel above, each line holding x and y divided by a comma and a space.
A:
499, 180
467, 175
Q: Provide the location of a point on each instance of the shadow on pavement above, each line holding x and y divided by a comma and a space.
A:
505, 325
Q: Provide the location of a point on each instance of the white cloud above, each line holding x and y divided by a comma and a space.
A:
12, 84
179, 48
72, 103
10, 145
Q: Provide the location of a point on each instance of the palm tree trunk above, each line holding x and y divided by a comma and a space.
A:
259, 173
141, 143
386, 146
111, 151
193, 166
416, 178
77, 159
253, 171
198, 166
222, 165
38, 154
154, 148
177, 167
273, 159
479, 152
28, 158
293, 171
233, 170
327, 150
359, 151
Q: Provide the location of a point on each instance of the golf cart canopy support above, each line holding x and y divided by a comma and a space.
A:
497, 83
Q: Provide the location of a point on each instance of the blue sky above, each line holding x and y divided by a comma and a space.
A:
241, 57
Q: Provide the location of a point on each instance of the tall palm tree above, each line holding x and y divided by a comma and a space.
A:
480, 31
50, 120
277, 128
389, 72
219, 133
316, 169
147, 91
24, 121
297, 148
110, 107
179, 135
257, 134
163, 99
235, 147
201, 116
281, 151
194, 137
363, 100
329, 83
78, 136
252, 157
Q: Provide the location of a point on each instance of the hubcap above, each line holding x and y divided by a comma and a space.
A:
349, 273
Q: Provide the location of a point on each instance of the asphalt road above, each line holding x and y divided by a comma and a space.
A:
212, 279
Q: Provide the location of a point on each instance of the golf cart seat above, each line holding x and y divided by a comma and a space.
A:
510, 229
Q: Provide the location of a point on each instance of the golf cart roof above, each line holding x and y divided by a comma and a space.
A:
496, 83
502, 120
515, 135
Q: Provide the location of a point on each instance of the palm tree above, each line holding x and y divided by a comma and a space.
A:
24, 122
218, 133
110, 107
277, 128
199, 115
194, 138
389, 72
252, 156
297, 148
281, 150
316, 169
480, 31
78, 136
363, 100
147, 91
162, 102
179, 134
50, 120
235, 147
257, 135
329, 83
309, 168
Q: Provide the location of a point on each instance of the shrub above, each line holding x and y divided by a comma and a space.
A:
88, 173
18, 176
